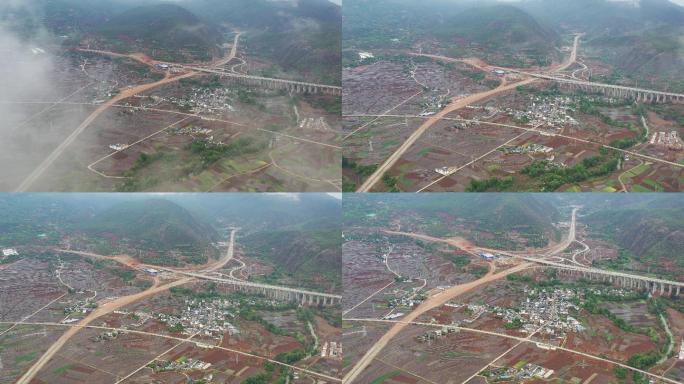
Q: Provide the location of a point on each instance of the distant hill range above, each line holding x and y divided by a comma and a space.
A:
502, 28
523, 215
461, 28
300, 36
157, 224
164, 31
303, 35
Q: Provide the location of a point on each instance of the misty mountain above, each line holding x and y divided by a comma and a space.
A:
302, 36
152, 224
602, 16
166, 27
502, 27
530, 215
462, 28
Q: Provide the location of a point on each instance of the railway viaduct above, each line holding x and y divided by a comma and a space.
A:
616, 91
267, 82
621, 279
302, 296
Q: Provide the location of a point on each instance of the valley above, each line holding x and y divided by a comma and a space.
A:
436, 292
197, 104
203, 307
438, 112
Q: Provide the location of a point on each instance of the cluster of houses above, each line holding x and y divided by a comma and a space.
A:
106, 336
80, 307
207, 317
527, 148
6, 252
669, 140
520, 372
206, 100
549, 112
549, 309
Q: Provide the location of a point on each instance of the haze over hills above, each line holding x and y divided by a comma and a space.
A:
297, 35
163, 27
156, 223
641, 42
527, 215
301, 36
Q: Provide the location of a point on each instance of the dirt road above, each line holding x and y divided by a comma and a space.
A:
111, 306
228, 256
434, 300
123, 94
102, 310
456, 104
437, 299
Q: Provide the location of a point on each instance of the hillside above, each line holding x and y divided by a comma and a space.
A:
642, 42
501, 216
653, 233
602, 16
164, 31
502, 28
310, 253
156, 225
301, 36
